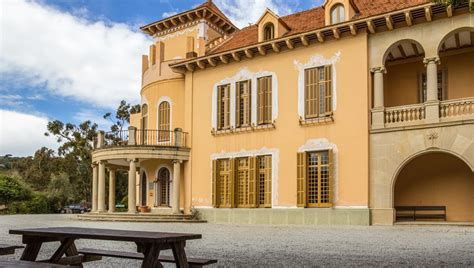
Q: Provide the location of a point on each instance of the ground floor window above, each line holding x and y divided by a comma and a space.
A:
314, 179
243, 182
162, 188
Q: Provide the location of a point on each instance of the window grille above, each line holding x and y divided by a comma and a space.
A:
265, 181
314, 179
264, 100
243, 99
164, 121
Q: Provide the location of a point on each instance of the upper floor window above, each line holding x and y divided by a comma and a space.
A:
314, 179
337, 14
268, 31
164, 121
264, 100
144, 121
318, 93
243, 105
440, 85
223, 107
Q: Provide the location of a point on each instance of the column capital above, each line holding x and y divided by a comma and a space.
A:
177, 161
132, 160
93, 164
435, 60
378, 70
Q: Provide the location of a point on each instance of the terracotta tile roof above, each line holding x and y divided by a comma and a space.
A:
313, 19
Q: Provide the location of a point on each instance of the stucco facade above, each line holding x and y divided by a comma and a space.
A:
379, 105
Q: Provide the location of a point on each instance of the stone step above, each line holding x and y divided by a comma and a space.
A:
138, 217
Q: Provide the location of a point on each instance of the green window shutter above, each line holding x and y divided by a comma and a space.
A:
301, 180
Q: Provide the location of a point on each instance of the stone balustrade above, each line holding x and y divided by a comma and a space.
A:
404, 114
457, 107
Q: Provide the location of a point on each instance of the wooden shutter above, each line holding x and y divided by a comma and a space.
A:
301, 180
268, 95
232, 182
215, 187
248, 112
219, 108
226, 106
331, 176
259, 101
268, 181
253, 200
328, 87
237, 104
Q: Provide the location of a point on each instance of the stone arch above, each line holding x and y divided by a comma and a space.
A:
394, 45
410, 158
452, 33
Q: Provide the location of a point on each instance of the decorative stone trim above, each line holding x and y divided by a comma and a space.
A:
435, 60
316, 121
244, 129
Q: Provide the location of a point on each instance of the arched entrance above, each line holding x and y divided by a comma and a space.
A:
143, 189
162, 188
437, 179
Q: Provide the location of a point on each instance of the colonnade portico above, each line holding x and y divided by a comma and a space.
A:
99, 186
431, 104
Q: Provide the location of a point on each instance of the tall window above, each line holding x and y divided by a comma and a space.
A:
142, 134
318, 92
164, 121
163, 187
337, 14
314, 179
223, 107
268, 31
243, 182
441, 82
264, 177
243, 111
264, 100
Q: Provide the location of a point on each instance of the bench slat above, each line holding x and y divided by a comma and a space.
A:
28, 264
139, 256
417, 212
8, 249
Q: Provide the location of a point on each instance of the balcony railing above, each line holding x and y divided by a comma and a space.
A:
423, 113
404, 114
459, 107
143, 137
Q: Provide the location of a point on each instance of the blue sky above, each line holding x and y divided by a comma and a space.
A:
75, 60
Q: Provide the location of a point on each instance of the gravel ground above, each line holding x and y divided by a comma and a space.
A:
281, 246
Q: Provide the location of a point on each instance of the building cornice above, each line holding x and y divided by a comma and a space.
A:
377, 23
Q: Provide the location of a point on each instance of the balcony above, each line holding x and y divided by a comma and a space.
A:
407, 116
142, 137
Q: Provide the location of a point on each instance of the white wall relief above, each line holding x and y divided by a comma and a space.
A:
322, 145
250, 153
316, 61
245, 74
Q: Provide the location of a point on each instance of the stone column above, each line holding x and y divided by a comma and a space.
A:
111, 190
378, 111
132, 190
94, 187
176, 179
101, 188
187, 188
432, 102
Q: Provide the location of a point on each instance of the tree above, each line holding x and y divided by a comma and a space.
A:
37, 170
60, 190
12, 190
455, 3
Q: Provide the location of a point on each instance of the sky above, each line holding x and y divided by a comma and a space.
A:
74, 60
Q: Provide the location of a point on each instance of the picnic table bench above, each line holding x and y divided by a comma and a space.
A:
420, 212
149, 244
8, 249
27, 264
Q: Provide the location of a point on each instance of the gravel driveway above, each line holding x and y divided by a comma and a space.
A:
282, 246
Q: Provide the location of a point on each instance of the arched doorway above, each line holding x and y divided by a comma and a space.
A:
437, 179
143, 189
162, 188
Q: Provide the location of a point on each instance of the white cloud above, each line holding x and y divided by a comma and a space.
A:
168, 14
95, 62
243, 12
22, 134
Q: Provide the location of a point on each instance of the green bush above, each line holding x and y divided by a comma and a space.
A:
12, 190
38, 204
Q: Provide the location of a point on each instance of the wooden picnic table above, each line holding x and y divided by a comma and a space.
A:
148, 243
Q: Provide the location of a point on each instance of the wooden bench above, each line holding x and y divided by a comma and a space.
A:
27, 264
8, 249
414, 213
193, 262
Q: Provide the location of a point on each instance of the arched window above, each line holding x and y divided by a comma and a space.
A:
163, 188
337, 14
164, 121
268, 31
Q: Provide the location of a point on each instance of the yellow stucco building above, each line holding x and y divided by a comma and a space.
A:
334, 115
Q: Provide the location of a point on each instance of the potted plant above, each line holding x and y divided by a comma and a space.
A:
143, 209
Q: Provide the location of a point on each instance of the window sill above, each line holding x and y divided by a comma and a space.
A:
244, 129
317, 121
